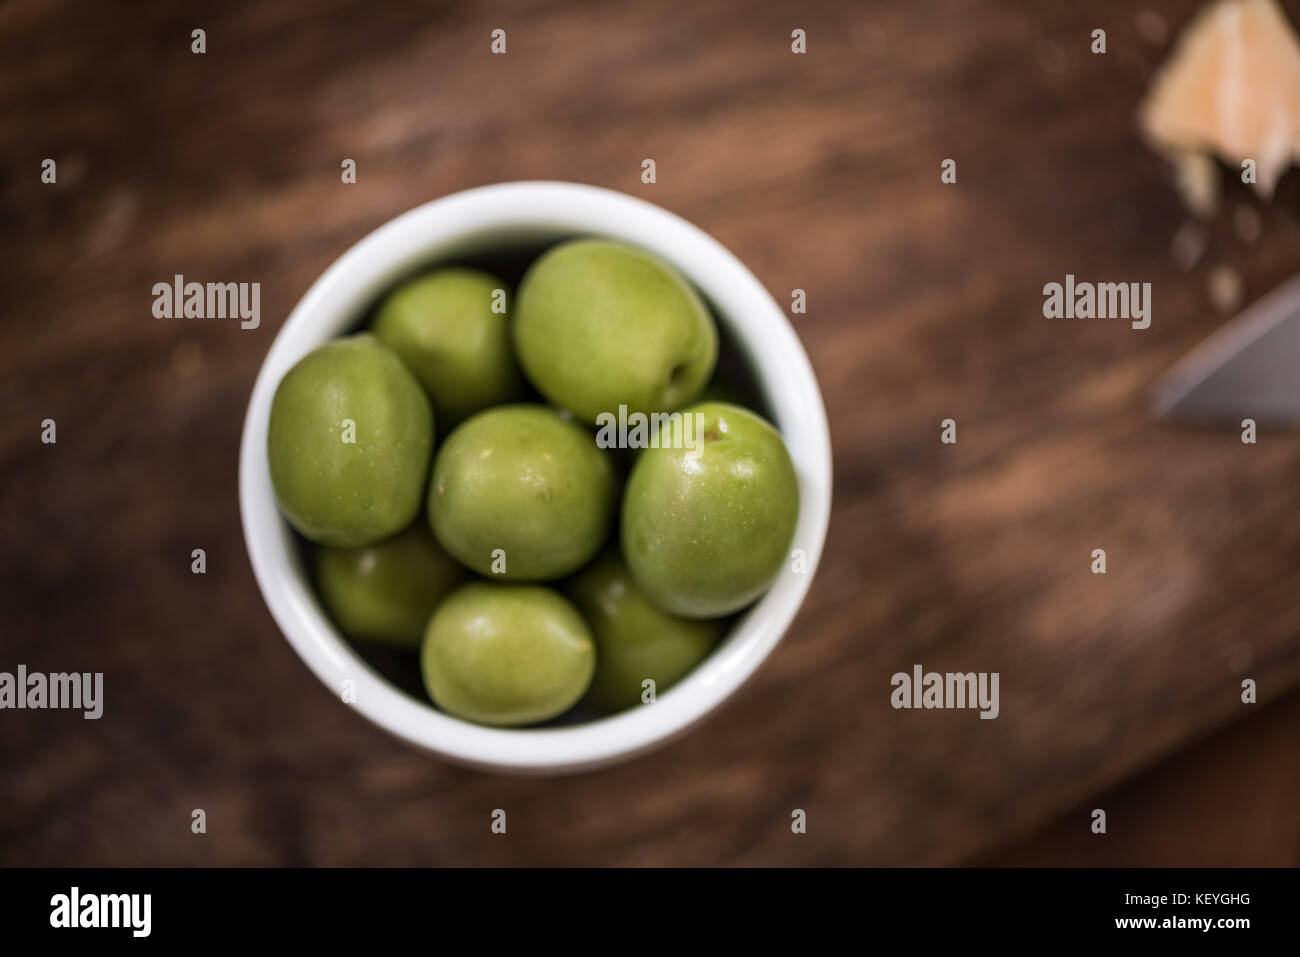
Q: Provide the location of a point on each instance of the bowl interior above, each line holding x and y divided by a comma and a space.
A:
509, 262
503, 228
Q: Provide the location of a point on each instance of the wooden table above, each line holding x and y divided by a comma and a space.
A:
822, 172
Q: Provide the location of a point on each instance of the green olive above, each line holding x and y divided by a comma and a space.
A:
635, 641
708, 517
452, 328
349, 442
507, 655
386, 592
520, 494
601, 324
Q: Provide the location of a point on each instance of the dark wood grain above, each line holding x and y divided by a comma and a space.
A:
821, 172
1227, 801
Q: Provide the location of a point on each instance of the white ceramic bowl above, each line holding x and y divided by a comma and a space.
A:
473, 223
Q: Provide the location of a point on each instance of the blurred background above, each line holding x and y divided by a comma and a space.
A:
821, 171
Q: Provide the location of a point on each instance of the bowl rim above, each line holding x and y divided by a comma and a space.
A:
490, 215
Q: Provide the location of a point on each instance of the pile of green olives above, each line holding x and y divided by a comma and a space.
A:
446, 468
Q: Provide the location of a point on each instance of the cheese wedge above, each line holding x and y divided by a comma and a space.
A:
1231, 89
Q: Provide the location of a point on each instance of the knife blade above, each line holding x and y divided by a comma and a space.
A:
1249, 369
